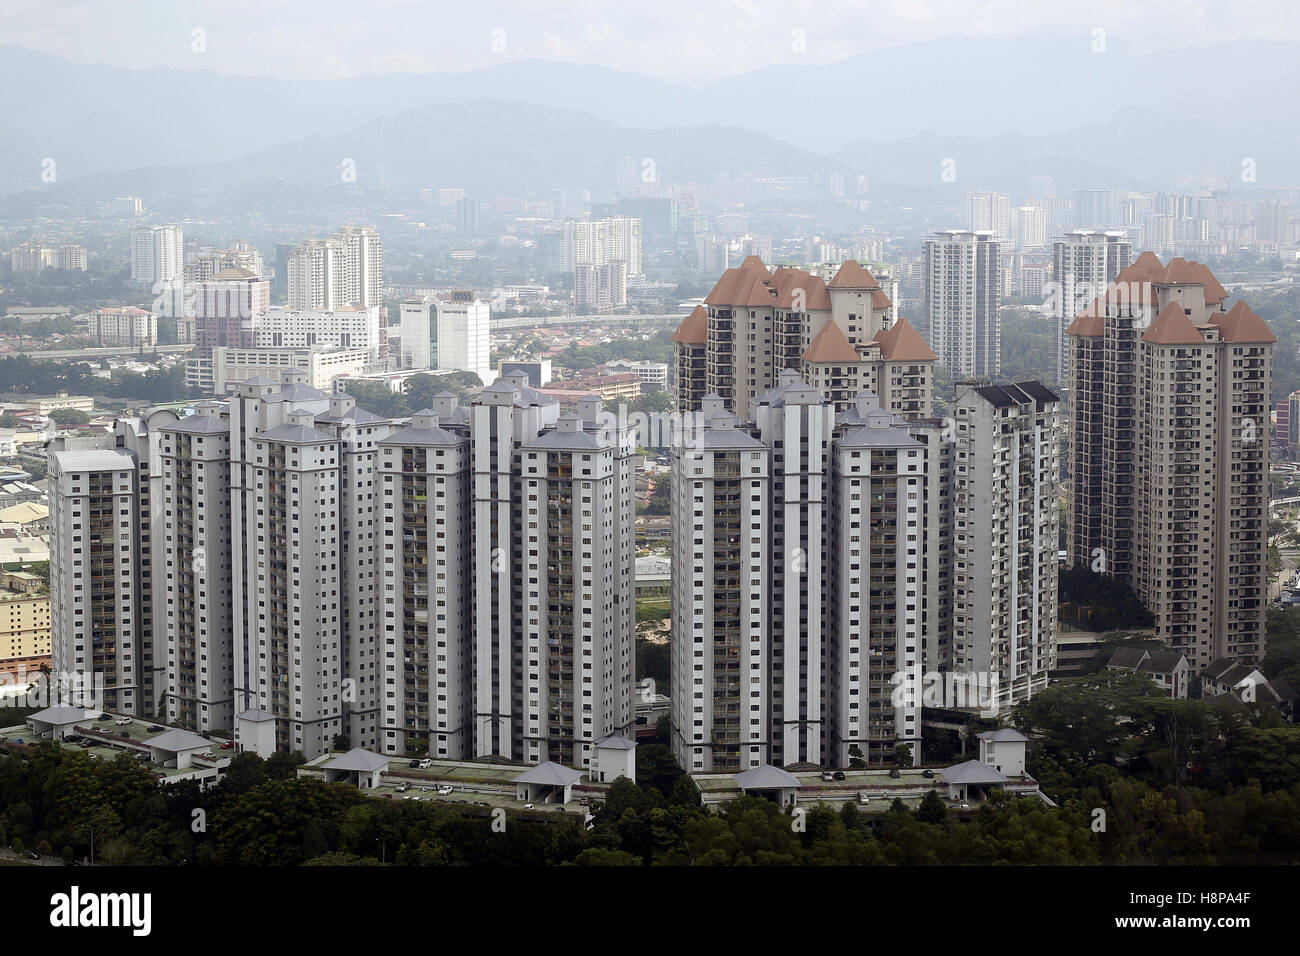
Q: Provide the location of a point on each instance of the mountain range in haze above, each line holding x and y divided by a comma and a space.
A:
1002, 109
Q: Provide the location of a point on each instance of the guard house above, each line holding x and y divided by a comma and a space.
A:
970, 782
548, 782
612, 757
176, 748
361, 768
1004, 751
769, 782
54, 723
255, 732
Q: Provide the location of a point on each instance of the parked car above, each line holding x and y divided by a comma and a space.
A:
402, 787
414, 764
895, 773
426, 764
18, 740
144, 758
839, 774
155, 729
827, 775
85, 742
105, 716
528, 806
443, 791
71, 738
32, 855
123, 721
863, 798
927, 774
228, 745
124, 733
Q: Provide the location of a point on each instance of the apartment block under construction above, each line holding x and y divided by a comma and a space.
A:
1168, 487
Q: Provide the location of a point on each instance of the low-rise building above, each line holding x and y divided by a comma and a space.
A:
1169, 669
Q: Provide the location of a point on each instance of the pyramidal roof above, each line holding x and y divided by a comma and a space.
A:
1147, 264
902, 343
1214, 292
831, 345
1091, 321
1173, 327
1241, 324
1179, 272
694, 329
852, 275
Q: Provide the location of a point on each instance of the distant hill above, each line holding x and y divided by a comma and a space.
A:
1010, 105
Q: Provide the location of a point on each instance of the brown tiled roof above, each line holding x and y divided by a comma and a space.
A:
879, 300
815, 296
852, 275
754, 290
1241, 324
694, 329
903, 343
1179, 272
1091, 321
1173, 327
1214, 292
724, 288
1147, 264
831, 345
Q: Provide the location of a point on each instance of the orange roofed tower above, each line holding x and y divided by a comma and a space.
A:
756, 323
1169, 406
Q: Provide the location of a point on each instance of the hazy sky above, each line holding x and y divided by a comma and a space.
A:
691, 41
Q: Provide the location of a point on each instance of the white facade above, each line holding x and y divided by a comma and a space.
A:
598, 242
419, 318
157, 254
344, 270
464, 338
1005, 532
128, 326
346, 327
963, 296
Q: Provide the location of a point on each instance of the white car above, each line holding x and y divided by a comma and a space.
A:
443, 791
425, 764
528, 806
122, 721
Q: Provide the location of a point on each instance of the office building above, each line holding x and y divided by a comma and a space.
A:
419, 318
464, 335
1168, 489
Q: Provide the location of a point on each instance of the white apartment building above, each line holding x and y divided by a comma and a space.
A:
597, 288
1084, 262
989, 212
797, 583
323, 366
653, 375
963, 296
464, 335
1005, 519
157, 254
599, 242
344, 327
193, 550
242, 255
128, 326
34, 256
344, 270
524, 651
